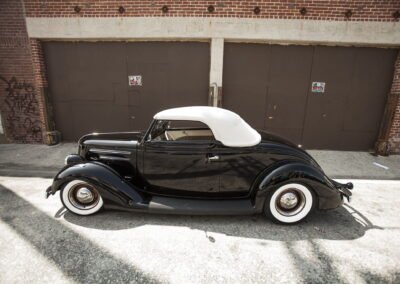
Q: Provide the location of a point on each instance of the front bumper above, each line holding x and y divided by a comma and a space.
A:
69, 161
48, 192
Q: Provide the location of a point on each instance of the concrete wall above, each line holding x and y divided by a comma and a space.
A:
254, 30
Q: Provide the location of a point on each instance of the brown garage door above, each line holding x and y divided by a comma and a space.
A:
270, 86
88, 83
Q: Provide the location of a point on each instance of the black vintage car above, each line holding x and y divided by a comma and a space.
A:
196, 160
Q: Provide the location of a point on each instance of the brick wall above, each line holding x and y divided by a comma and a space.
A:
361, 10
21, 105
394, 136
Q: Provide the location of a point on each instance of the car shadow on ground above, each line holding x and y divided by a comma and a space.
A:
343, 223
81, 260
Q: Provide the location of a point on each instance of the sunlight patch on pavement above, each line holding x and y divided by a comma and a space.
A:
19, 260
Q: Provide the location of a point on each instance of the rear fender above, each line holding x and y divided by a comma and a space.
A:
112, 187
328, 195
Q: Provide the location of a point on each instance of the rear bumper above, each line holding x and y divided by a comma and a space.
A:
335, 195
344, 189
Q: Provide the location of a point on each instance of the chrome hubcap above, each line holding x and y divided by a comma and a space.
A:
288, 200
84, 195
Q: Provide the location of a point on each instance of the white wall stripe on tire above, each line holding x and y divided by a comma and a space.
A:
65, 199
300, 215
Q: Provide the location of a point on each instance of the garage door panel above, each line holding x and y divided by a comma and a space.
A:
372, 76
119, 94
356, 140
249, 105
91, 81
289, 74
246, 64
57, 55
193, 77
346, 116
292, 134
96, 71
63, 113
324, 124
99, 117
260, 80
289, 67
245, 78
187, 79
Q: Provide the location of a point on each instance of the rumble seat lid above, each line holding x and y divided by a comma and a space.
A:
228, 127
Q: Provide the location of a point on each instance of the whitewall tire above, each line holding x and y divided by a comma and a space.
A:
290, 203
81, 197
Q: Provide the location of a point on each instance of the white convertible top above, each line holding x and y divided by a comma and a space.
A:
228, 127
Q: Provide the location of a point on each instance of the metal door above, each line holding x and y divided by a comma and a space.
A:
270, 87
347, 115
181, 168
289, 74
324, 117
89, 90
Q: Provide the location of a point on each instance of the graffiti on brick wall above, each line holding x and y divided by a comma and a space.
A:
21, 112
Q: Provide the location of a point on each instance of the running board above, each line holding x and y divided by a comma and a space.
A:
200, 207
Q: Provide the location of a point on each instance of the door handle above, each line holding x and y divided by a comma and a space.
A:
212, 158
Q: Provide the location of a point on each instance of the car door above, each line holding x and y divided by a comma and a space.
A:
239, 168
181, 168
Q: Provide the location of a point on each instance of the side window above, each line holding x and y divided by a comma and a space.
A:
157, 133
177, 130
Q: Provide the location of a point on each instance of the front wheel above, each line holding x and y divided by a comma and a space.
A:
81, 197
290, 203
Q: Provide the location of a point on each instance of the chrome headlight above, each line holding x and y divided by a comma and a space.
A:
73, 159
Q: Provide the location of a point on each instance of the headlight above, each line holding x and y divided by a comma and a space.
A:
73, 159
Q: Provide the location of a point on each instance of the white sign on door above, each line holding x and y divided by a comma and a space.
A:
135, 80
318, 87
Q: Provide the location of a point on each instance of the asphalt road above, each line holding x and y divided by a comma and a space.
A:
40, 242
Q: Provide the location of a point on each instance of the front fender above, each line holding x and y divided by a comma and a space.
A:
112, 187
327, 193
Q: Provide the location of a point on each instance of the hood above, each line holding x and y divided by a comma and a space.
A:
121, 136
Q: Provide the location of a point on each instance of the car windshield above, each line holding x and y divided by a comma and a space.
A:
173, 130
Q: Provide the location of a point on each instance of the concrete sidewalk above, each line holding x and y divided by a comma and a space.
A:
44, 161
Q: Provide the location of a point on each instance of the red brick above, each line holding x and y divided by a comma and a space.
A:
363, 10
21, 84
394, 136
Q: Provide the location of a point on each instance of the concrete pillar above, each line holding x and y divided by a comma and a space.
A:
216, 69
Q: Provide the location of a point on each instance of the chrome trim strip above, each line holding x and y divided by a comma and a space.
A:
110, 143
105, 151
113, 158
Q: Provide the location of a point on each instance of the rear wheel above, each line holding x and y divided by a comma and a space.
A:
290, 203
81, 197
